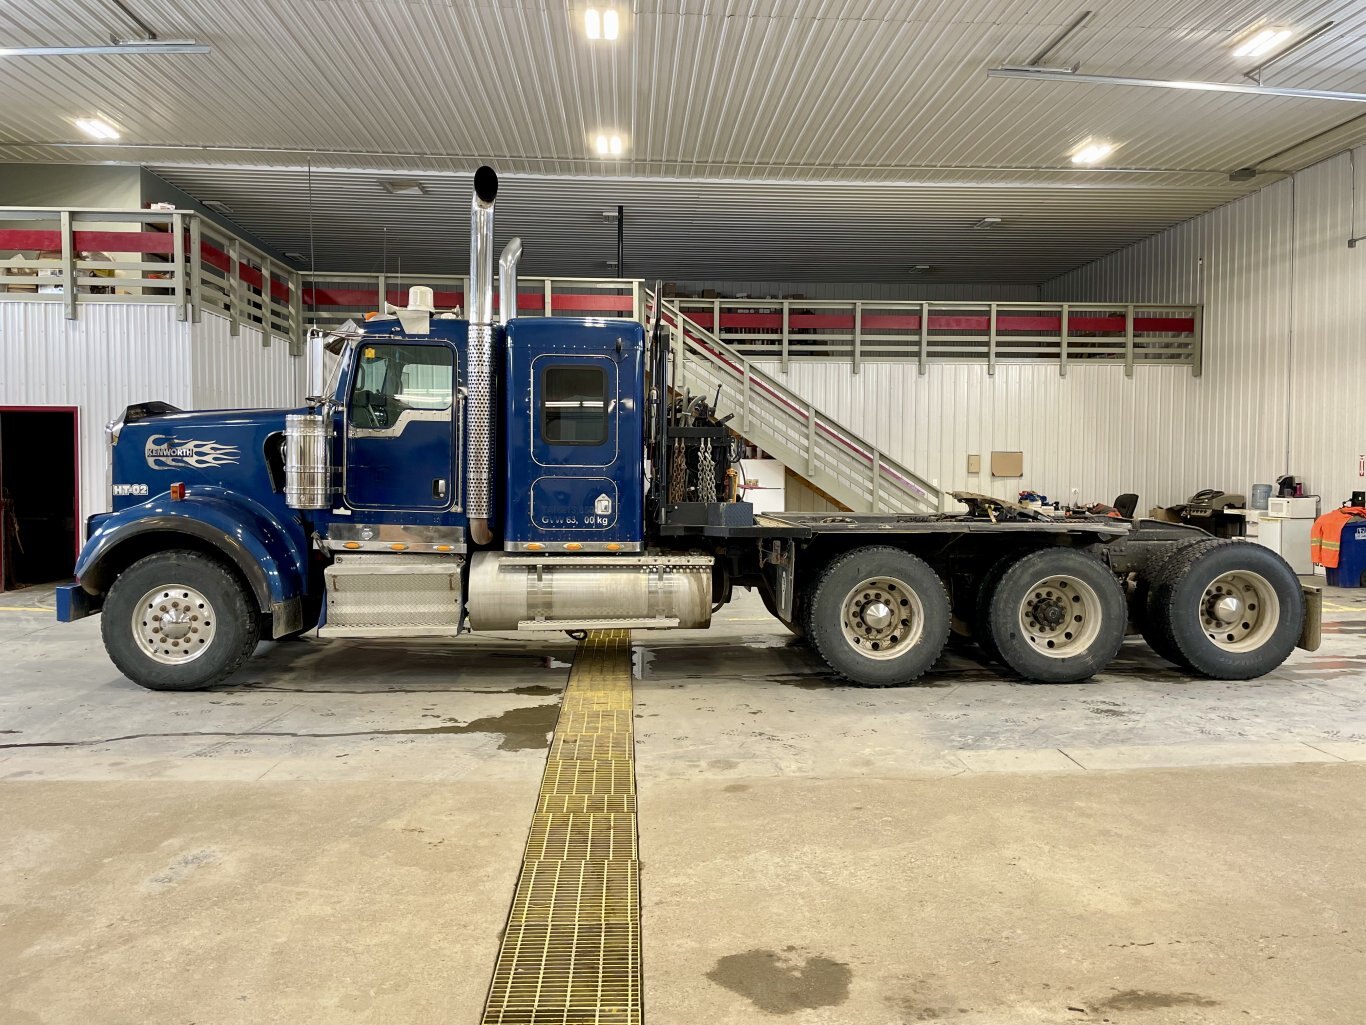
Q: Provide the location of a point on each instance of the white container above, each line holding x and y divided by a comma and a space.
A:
1293, 508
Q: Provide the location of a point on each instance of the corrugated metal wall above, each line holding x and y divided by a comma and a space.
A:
1282, 387
112, 356
1285, 331
240, 372
117, 354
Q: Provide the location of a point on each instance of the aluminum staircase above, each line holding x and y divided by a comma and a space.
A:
827, 455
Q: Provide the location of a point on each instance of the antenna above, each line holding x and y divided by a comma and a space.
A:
312, 244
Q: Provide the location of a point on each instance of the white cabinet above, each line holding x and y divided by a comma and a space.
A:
1289, 536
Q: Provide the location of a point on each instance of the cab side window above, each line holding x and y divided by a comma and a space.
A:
392, 379
574, 405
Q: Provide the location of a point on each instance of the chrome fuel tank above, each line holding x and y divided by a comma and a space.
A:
585, 592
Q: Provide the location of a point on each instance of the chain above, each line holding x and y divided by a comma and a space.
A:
678, 474
706, 473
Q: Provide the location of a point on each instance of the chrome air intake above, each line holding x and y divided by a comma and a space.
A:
308, 461
507, 280
479, 409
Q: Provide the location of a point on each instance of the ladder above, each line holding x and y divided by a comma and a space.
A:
768, 414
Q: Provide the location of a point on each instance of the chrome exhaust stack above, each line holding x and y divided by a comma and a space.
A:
479, 303
507, 280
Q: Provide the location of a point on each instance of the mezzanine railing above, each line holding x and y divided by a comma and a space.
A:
178, 257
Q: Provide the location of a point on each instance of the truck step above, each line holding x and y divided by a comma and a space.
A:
393, 596
658, 623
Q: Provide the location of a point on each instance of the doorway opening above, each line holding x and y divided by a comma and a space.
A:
39, 494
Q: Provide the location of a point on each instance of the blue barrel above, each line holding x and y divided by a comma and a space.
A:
1351, 567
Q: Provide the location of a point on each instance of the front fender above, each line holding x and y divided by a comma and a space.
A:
271, 554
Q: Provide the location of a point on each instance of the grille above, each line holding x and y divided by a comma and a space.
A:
571, 949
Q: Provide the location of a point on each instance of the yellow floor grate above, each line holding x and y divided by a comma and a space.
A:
571, 950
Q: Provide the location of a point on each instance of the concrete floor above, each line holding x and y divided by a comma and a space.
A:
334, 835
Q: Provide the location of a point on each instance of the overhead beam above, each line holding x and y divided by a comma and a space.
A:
1066, 75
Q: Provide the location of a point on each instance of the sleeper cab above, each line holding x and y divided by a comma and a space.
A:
573, 429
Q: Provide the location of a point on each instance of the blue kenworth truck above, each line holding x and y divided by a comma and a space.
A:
449, 474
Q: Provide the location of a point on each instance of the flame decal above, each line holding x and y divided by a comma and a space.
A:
166, 453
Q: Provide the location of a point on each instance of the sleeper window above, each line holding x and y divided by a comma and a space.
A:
574, 405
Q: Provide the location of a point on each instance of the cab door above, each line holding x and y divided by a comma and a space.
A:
401, 427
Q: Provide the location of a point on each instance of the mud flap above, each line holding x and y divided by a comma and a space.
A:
1312, 634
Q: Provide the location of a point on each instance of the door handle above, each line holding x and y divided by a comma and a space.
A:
439, 487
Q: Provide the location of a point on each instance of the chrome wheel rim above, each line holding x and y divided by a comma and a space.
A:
1060, 616
174, 624
1239, 611
882, 618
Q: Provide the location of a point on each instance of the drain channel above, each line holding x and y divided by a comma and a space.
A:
571, 950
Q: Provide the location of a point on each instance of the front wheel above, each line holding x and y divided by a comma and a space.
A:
178, 620
878, 616
1057, 615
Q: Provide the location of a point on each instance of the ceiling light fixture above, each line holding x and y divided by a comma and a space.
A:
988, 222
1092, 153
97, 128
1262, 42
601, 24
218, 206
118, 46
608, 145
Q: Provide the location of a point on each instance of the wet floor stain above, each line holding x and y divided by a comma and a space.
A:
519, 729
1150, 1000
735, 788
783, 983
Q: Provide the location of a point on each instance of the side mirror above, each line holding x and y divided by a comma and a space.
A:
316, 381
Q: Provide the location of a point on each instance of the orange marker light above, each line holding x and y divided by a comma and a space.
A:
177, 492
534, 546
573, 546
398, 547
444, 548
353, 545
612, 546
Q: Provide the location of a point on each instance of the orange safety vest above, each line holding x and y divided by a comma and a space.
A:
1325, 540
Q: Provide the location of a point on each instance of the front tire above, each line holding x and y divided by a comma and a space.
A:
178, 620
1057, 615
878, 616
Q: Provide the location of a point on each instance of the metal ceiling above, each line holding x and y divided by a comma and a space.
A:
779, 139
681, 230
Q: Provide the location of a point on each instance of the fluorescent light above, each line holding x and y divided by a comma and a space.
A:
592, 23
608, 145
122, 46
1262, 42
97, 128
1092, 153
609, 23
218, 206
987, 222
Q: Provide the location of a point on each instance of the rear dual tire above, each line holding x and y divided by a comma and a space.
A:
1229, 610
878, 616
1055, 615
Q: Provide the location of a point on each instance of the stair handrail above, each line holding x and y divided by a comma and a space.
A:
882, 467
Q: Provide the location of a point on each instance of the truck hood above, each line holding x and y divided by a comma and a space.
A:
155, 446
